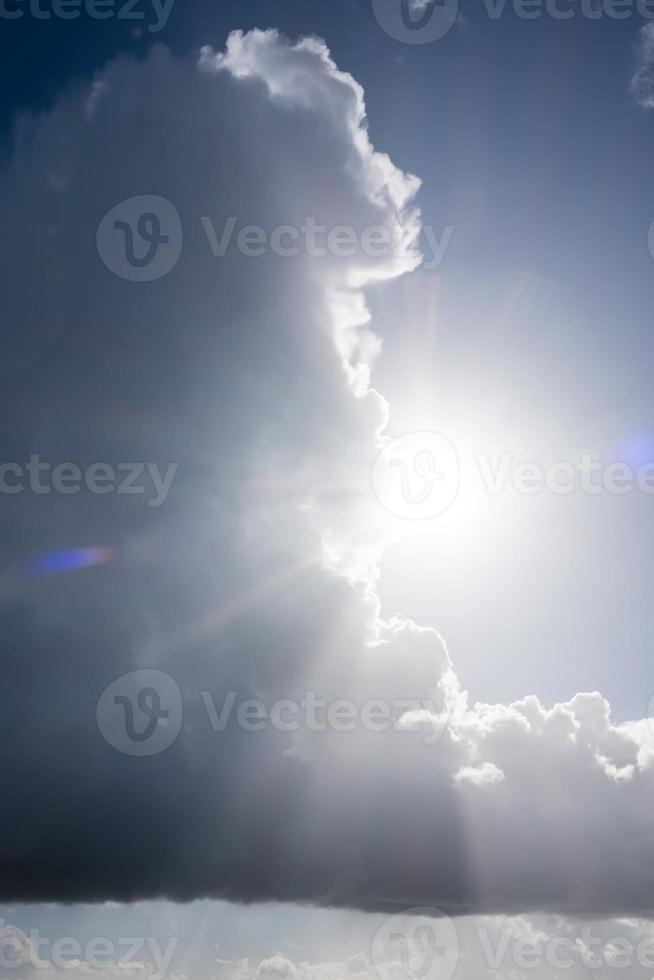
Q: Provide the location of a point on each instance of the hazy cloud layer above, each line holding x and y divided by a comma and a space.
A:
257, 575
505, 947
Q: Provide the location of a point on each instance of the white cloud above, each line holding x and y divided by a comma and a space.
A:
642, 82
502, 947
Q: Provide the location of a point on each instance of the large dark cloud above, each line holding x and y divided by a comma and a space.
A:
256, 576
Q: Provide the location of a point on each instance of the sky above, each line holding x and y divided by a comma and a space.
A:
325, 490
531, 147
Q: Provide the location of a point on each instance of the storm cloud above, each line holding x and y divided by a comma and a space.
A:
255, 578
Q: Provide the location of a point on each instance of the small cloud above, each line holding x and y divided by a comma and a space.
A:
480, 775
641, 85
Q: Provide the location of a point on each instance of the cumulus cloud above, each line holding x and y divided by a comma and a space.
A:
504, 947
642, 81
257, 578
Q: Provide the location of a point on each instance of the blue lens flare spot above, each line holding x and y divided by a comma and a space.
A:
57, 562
